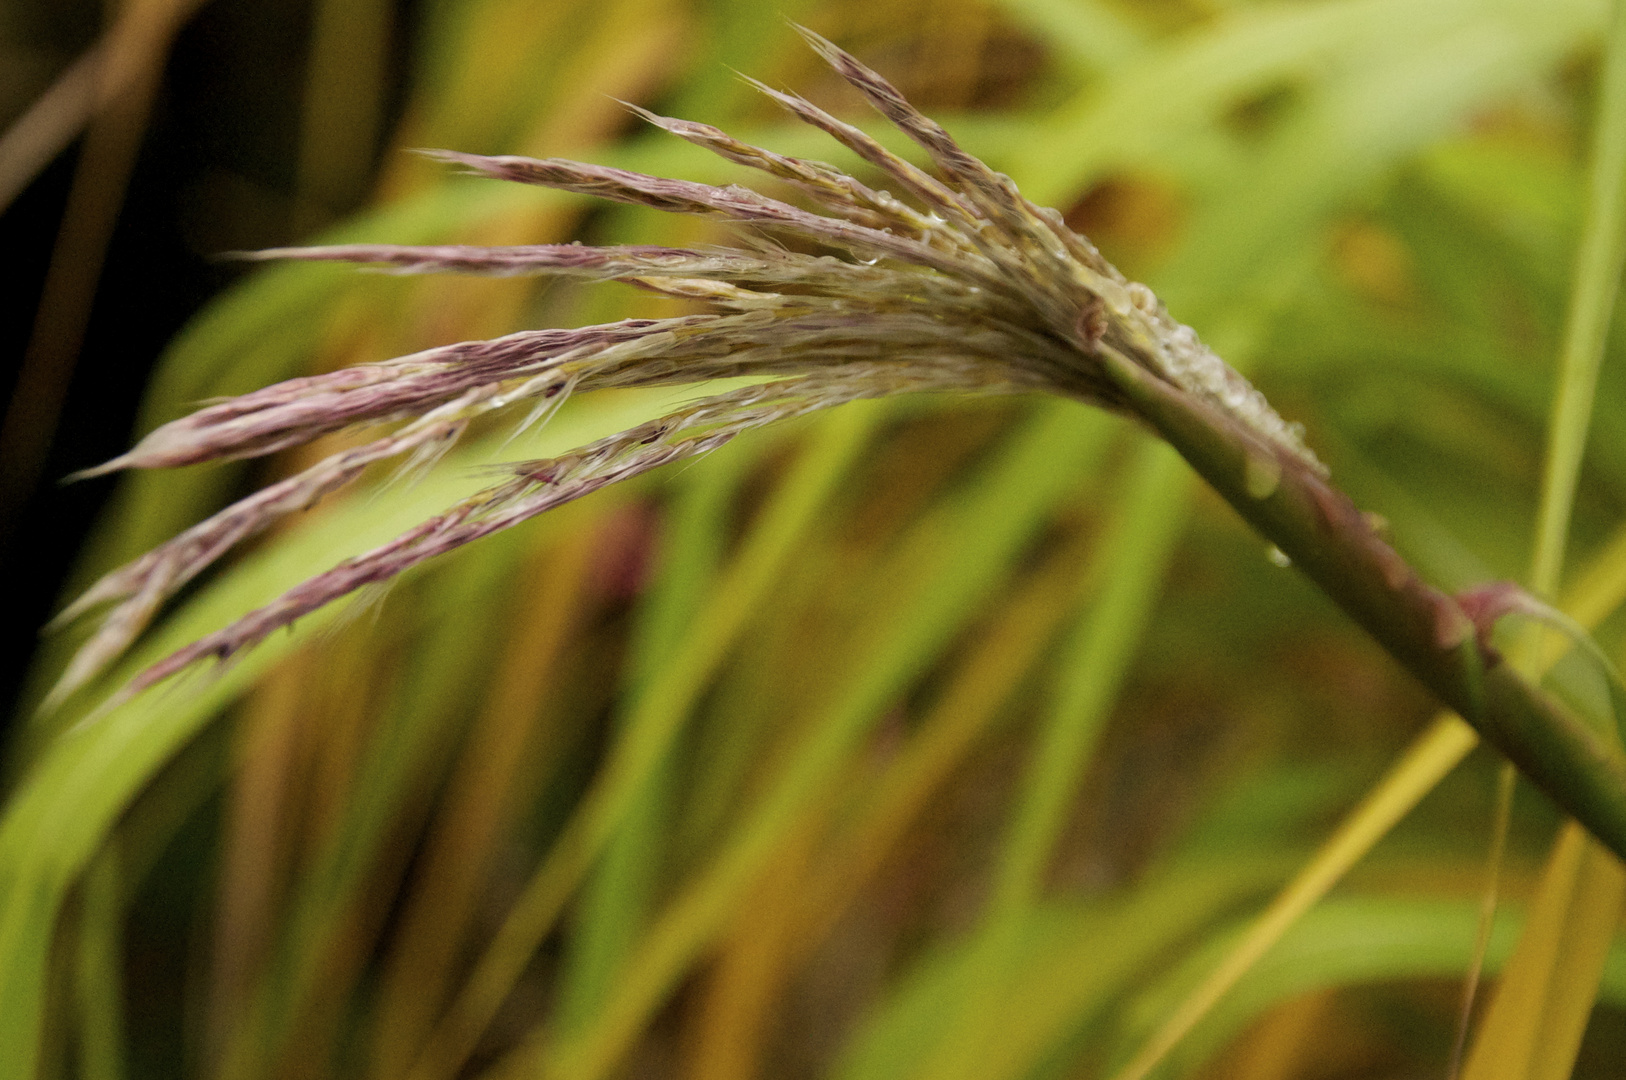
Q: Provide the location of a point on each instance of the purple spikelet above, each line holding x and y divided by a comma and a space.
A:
973, 289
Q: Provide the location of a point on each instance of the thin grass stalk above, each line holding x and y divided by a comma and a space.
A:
1430, 757
1424, 764
1096, 662
1598, 267
650, 731
1426, 631
975, 544
617, 899
440, 915
99, 981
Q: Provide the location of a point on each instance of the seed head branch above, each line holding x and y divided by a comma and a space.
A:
968, 288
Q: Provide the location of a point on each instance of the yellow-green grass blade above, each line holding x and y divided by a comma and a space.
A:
662, 710
81, 782
618, 898
1349, 126
1597, 280
975, 549
966, 716
459, 630
1076, 961
1089, 674
1602, 589
518, 731
1345, 941
1183, 86
1092, 669
100, 975
1091, 36
1534, 1026
343, 109
732, 36
1434, 754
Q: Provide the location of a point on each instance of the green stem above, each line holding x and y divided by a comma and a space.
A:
1331, 541
1592, 301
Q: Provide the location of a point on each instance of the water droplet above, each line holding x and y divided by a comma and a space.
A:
1278, 557
1261, 475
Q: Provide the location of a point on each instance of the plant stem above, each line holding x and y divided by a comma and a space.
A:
1320, 529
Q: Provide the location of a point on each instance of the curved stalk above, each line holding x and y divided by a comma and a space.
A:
1426, 631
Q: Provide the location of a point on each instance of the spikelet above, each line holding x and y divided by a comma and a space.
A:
973, 290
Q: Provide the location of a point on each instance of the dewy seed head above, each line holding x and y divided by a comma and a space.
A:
971, 289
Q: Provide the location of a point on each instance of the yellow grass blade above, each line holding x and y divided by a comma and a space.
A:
1599, 591
1534, 1026
1433, 755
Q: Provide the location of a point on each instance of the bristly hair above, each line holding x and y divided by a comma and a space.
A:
971, 289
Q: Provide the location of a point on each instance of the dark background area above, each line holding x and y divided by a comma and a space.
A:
216, 171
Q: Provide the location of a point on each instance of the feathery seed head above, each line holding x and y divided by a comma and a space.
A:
974, 289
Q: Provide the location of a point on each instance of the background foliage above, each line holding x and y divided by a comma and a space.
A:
933, 738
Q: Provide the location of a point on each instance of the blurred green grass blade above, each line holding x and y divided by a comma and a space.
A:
100, 971
1090, 671
1592, 302
1533, 1028
982, 695
1076, 962
1601, 590
1345, 941
407, 751
502, 75
1089, 36
1530, 198
83, 780
662, 710
1469, 359
736, 36
996, 518
1092, 668
617, 899
1429, 758
1189, 83
518, 761
1347, 128
345, 89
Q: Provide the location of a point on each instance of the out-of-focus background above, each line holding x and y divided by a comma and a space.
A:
121, 209
930, 738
